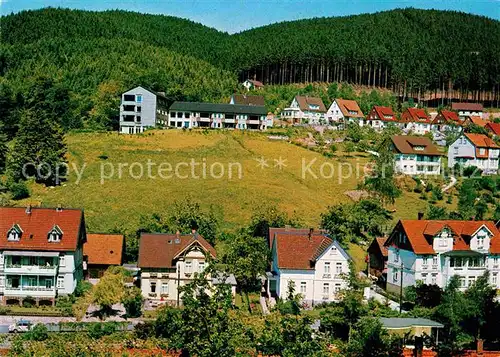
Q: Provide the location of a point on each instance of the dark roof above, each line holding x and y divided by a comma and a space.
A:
104, 249
405, 144
304, 103
199, 107
273, 231
407, 322
379, 242
159, 250
37, 224
243, 99
446, 116
474, 107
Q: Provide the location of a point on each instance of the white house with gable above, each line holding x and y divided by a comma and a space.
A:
313, 262
434, 251
474, 150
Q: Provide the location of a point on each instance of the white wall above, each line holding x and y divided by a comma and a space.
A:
147, 113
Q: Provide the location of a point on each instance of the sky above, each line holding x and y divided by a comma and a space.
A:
238, 15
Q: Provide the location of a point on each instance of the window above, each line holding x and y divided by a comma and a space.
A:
455, 150
494, 278
471, 280
55, 235
138, 98
433, 279
338, 268
396, 256
48, 283
188, 267
434, 260
442, 242
482, 151
139, 108
495, 262
326, 289
462, 282
337, 287
327, 268
303, 287
201, 266
62, 260
138, 118
14, 234
333, 251
164, 288
480, 242
424, 277
128, 97
425, 262
60, 282
395, 277
152, 286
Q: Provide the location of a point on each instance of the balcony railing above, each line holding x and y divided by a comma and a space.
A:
30, 269
327, 276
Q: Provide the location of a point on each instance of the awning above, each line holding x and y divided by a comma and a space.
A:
463, 253
404, 323
28, 253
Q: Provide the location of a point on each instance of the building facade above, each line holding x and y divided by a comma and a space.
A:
305, 110
168, 261
217, 116
343, 112
446, 121
141, 109
100, 252
41, 253
315, 264
474, 150
416, 121
434, 251
465, 110
414, 155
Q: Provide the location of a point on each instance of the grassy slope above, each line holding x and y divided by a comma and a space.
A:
119, 203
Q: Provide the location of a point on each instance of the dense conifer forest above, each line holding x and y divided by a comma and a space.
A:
430, 56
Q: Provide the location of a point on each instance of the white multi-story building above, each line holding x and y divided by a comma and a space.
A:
313, 262
434, 251
305, 110
474, 150
218, 116
141, 108
343, 112
41, 253
415, 155
168, 261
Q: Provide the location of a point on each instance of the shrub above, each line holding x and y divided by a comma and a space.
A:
38, 333
82, 287
437, 194
65, 304
29, 302
19, 190
98, 330
132, 301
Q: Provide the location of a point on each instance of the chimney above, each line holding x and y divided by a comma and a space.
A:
311, 231
195, 233
420, 216
178, 233
28, 209
479, 348
59, 208
287, 227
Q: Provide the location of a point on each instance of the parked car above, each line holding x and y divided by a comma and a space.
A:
21, 326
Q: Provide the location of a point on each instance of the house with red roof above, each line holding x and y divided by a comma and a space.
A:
168, 261
433, 251
446, 121
477, 150
344, 111
381, 117
416, 120
102, 251
41, 253
250, 84
312, 261
493, 128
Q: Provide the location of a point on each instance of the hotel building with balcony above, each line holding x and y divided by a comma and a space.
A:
41, 253
415, 155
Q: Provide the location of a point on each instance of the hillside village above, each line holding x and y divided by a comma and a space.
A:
362, 218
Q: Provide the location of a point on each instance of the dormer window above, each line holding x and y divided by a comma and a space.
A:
55, 235
14, 234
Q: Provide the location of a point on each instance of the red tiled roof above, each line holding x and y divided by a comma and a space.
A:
104, 249
381, 241
420, 233
299, 250
416, 115
405, 144
494, 128
349, 105
471, 107
158, 250
256, 83
477, 120
305, 101
274, 230
446, 116
481, 141
36, 226
382, 113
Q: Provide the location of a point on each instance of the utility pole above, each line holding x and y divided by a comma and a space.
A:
401, 288
178, 283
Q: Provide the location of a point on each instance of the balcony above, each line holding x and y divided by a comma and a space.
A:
19, 269
34, 291
257, 122
327, 276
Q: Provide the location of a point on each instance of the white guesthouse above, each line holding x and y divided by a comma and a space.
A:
434, 251
41, 253
313, 262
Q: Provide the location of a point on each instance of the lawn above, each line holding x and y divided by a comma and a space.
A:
117, 203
